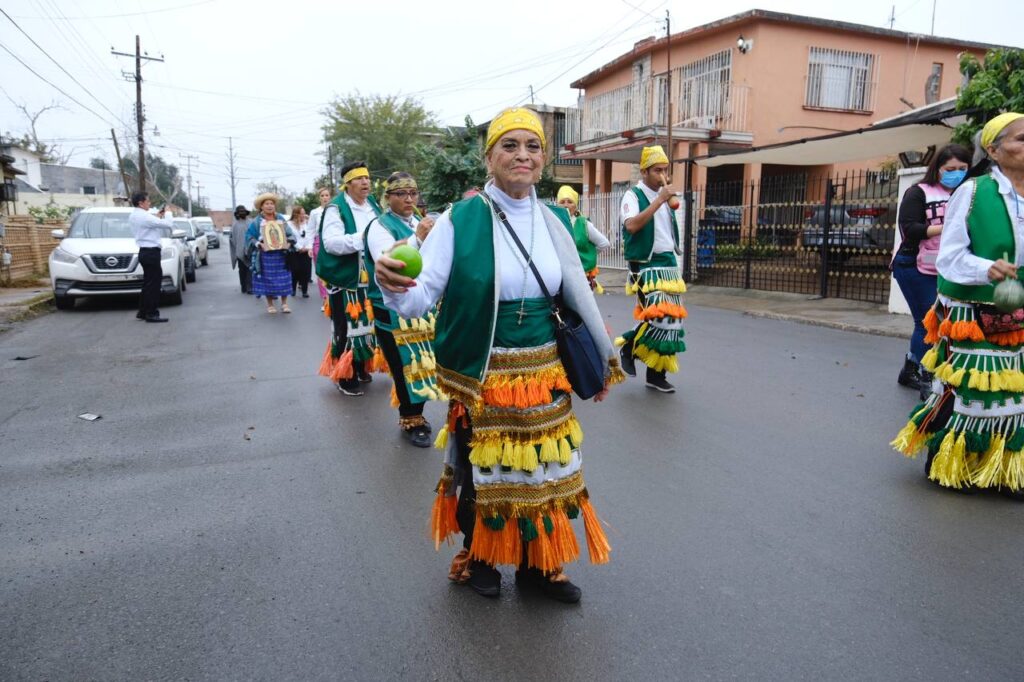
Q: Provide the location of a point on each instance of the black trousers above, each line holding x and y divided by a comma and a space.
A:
302, 270
465, 511
244, 275
386, 341
339, 324
152, 274
634, 271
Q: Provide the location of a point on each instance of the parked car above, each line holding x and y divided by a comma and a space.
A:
190, 247
98, 257
198, 237
207, 227
850, 228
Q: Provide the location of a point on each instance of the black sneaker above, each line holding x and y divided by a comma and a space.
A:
925, 385
627, 360
560, 590
140, 316
350, 390
156, 318
484, 579
363, 376
418, 436
659, 383
909, 376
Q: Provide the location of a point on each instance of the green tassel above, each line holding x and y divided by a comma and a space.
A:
975, 442
549, 525
572, 511
528, 530
495, 523
1016, 442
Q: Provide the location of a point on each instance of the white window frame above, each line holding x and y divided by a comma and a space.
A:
841, 80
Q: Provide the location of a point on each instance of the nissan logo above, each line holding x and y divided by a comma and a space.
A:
111, 261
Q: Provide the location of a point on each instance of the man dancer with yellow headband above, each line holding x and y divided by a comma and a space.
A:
341, 228
651, 240
587, 237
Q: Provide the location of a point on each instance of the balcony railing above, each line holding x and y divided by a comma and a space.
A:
701, 103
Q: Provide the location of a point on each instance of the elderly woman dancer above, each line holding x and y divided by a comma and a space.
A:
973, 428
405, 344
588, 240
512, 442
270, 275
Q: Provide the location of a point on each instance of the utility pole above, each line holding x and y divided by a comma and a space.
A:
231, 171
892, 17
199, 195
933, 16
668, 84
188, 177
531, 94
139, 116
330, 165
120, 163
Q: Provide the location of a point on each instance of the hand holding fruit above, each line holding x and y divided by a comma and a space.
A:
424, 227
1001, 270
665, 195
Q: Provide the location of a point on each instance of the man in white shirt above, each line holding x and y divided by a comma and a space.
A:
148, 230
344, 222
651, 242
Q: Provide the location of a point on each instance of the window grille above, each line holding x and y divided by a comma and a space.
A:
839, 79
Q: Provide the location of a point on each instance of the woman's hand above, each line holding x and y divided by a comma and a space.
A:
1000, 270
260, 245
388, 276
602, 395
423, 228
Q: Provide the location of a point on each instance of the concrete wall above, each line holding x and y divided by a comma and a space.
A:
908, 178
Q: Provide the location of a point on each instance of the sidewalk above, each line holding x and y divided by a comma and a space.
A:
837, 313
20, 303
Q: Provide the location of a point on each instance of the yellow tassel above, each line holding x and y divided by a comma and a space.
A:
507, 454
929, 359
564, 452
957, 377
1013, 471
549, 450
402, 324
995, 381
949, 467
908, 440
529, 458
990, 471
983, 381
575, 432
414, 366
598, 289
485, 455
974, 375
441, 442
517, 456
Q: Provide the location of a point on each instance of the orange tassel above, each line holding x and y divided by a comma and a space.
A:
638, 312
496, 546
369, 312
563, 539
343, 367
378, 363
443, 524
327, 308
931, 326
1007, 338
539, 552
327, 364
456, 411
394, 398
597, 543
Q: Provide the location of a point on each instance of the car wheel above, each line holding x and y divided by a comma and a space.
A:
175, 298
204, 261
190, 275
64, 302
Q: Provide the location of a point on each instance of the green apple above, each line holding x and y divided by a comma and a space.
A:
412, 259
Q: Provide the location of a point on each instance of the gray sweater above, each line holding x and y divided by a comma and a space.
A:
238, 229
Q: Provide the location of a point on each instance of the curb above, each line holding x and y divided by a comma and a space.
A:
33, 307
841, 326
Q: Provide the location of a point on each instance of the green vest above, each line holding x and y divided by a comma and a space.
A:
586, 249
639, 246
464, 331
341, 271
398, 229
991, 233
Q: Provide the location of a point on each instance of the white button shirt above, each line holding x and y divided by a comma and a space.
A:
303, 235
380, 241
335, 240
955, 262
148, 229
630, 208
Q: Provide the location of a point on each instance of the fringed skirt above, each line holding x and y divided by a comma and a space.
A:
340, 360
524, 449
659, 335
274, 278
972, 426
415, 342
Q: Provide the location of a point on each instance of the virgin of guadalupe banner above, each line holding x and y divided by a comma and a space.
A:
273, 235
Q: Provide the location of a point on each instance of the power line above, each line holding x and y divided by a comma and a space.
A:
129, 14
55, 87
59, 66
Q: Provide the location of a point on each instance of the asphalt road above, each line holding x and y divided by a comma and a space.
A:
232, 517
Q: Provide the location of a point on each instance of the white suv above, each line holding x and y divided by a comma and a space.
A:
99, 257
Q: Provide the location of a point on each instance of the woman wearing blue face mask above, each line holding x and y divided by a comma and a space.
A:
920, 219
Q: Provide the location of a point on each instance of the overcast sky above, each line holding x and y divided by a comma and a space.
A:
261, 72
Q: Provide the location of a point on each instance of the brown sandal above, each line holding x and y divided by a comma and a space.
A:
459, 572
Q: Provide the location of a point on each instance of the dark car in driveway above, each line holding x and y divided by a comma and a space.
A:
850, 229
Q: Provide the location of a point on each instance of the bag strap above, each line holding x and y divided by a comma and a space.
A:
526, 256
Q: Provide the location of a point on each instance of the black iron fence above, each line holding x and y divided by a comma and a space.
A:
811, 234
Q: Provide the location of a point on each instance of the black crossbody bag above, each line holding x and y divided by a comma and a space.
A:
583, 364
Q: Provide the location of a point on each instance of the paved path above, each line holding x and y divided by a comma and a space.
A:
232, 517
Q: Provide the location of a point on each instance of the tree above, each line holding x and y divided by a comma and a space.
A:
452, 165
993, 86
49, 153
99, 163
163, 180
287, 197
381, 130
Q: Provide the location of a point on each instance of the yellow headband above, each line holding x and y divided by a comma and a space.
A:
360, 172
992, 129
567, 192
514, 119
652, 156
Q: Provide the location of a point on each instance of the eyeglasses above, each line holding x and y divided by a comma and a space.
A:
404, 193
